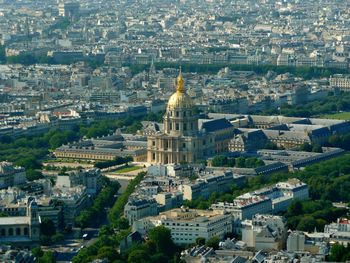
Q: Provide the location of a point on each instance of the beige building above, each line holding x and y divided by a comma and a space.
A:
340, 81
181, 140
21, 230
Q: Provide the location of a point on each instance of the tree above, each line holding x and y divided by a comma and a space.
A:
339, 253
317, 148
307, 223
306, 147
161, 236
47, 227
123, 223
200, 241
37, 252
48, 257
219, 161
295, 208
213, 242
57, 237
32, 175
240, 162
108, 252
159, 258
138, 256
105, 230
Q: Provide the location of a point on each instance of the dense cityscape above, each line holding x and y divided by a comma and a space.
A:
180, 131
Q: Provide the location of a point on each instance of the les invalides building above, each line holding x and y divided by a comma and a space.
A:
180, 140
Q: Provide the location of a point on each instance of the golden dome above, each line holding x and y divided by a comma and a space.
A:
180, 99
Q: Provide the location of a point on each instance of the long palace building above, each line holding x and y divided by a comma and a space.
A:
181, 140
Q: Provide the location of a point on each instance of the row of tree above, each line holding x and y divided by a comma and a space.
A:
115, 214
117, 161
304, 72
112, 234
240, 162
94, 215
331, 103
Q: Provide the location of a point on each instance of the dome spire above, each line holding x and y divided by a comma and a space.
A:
180, 87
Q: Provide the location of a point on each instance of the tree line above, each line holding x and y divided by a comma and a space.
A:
240, 162
117, 161
330, 104
302, 71
95, 214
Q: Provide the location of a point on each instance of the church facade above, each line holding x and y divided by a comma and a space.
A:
181, 140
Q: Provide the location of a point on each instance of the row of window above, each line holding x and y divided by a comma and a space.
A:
176, 127
14, 232
184, 234
184, 113
179, 224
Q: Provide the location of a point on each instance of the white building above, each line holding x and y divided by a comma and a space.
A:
296, 241
90, 178
186, 225
206, 185
168, 200
264, 232
294, 188
339, 232
75, 200
137, 208
247, 205
11, 175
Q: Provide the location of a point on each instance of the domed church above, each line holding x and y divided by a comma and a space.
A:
180, 140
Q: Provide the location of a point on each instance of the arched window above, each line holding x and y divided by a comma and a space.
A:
18, 231
3, 232
26, 232
10, 231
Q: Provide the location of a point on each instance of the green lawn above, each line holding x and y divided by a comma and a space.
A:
127, 169
338, 116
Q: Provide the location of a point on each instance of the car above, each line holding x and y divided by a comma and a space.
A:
86, 236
